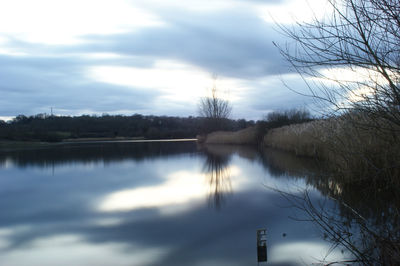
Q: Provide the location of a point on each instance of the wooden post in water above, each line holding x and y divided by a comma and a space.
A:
262, 245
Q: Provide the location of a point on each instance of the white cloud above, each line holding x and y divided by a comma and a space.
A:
361, 82
3, 40
292, 11
308, 252
63, 22
175, 81
353, 75
5, 48
6, 118
193, 5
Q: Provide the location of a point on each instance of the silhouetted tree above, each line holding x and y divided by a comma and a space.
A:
215, 110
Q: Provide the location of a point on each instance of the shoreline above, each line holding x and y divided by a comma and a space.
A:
11, 145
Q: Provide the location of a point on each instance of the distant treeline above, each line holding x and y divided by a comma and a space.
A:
52, 128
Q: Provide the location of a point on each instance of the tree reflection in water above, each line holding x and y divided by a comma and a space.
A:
218, 174
371, 241
361, 216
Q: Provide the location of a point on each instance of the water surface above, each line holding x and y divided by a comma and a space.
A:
159, 203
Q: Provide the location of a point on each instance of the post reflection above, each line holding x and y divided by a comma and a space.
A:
218, 174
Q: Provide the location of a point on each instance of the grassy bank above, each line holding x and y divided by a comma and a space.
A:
244, 136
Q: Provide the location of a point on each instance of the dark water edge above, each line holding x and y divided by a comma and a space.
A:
108, 151
56, 195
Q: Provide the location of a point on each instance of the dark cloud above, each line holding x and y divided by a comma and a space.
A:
34, 84
229, 43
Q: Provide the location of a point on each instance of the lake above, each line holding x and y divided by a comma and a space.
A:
158, 203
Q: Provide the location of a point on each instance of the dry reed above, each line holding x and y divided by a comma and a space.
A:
349, 147
244, 136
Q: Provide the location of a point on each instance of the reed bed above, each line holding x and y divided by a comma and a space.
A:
244, 136
347, 143
363, 176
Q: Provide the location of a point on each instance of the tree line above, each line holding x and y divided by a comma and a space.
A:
43, 127
51, 128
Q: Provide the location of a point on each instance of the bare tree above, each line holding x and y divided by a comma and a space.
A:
214, 107
215, 110
350, 58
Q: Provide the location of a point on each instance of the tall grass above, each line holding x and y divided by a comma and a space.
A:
350, 148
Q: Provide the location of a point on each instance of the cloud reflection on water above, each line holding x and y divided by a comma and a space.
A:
50, 208
180, 187
53, 252
308, 252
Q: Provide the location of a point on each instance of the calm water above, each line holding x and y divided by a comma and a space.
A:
148, 204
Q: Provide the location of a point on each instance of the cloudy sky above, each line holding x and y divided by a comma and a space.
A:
145, 56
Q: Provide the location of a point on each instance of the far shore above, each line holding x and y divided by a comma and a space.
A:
11, 145
100, 139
